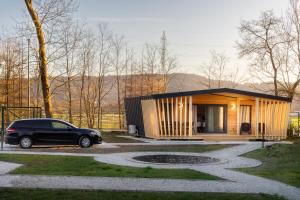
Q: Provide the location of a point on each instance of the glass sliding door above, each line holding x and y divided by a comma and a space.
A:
215, 119
211, 118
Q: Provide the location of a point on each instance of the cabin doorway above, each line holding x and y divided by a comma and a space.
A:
210, 118
245, 119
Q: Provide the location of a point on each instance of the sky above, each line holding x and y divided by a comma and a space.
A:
193, 27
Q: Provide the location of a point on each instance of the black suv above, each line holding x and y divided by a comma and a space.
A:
28, 132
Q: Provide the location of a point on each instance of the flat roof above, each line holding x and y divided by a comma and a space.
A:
217, 90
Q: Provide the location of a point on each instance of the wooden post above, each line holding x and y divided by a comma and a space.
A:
190, 116
159, 117
176, 115
180, 117
272, 119
172, 115
164, 116
238, 126
286, 118
256, 116
276, 120
264, 128
261, 116
266, 119
168, 117
280, 118
185, 115
284, 115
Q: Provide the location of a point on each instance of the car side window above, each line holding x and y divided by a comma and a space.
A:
60, 125
44, 124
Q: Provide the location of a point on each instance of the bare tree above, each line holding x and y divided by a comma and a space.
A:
118, 45
274, 43
260, 43
46, 17
43, 57
104, 46
214, 70
289, 53
71, 37
86, 57
151, 58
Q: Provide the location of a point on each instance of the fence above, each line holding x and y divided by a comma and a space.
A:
9, 114
107, 121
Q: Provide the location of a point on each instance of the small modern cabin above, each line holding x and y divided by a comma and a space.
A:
217, 114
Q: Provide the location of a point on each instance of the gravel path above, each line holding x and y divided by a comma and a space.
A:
229, 158
236, 182
6, 167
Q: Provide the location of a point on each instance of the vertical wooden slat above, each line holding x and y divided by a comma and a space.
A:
277, 114
168, 117
256, 116
264, 117
238, 116
280, 118
266, 120
172, 116
180, 117
283, 120
286, 119
176, 116
190, 116
185, 114
164, 116
261, 116
272, 120
159, 117
284, 112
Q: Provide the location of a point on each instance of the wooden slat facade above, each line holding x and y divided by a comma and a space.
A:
172, 117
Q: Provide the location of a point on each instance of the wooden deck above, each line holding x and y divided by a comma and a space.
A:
212, 137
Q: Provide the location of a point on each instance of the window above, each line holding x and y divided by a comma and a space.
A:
32, 124
23, 124
211, 118
245, 114
60, 125
41, 124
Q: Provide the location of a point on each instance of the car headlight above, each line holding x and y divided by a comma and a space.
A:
96, 133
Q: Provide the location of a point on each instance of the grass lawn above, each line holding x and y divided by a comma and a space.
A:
87, 166
112, 137
34, 194
280, 162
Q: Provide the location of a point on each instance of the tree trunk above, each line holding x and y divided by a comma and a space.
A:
43, 58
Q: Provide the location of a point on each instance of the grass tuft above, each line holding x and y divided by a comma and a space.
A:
279, 162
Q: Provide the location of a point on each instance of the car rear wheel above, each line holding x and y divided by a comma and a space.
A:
25, 142
85, 142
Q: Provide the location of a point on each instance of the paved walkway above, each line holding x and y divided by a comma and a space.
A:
229, 158
145, 142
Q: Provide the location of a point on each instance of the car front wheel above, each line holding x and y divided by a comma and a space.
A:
26, 142
85, 142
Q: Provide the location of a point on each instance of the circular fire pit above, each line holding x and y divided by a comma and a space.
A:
175, 159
